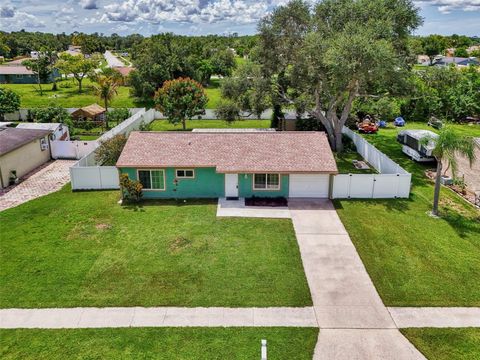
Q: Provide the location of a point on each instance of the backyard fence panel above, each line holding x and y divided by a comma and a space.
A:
341, 186
361, 186
71, 149
85, 178
385, 186
381, 162
404, 184
94, 178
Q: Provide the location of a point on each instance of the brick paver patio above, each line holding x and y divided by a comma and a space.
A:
45, 181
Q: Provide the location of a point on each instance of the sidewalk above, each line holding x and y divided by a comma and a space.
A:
156, 317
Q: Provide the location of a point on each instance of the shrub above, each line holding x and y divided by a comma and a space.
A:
118, 115
131, 189
109, 150
308, 124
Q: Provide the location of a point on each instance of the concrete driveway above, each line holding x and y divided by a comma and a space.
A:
354, 323
39, 183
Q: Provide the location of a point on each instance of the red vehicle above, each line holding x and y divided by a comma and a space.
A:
367, 127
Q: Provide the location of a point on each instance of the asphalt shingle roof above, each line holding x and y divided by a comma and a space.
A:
12, 138
288, 152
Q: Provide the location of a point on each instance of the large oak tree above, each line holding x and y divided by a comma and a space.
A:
319, 59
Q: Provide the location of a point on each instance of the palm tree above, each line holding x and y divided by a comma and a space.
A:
106, 89
448, 145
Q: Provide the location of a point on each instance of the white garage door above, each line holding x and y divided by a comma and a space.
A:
309, 185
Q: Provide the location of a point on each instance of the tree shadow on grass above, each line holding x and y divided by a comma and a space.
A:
400, 205
463, 225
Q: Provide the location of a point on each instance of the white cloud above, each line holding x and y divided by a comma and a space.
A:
189, 11
14, 19
447, 6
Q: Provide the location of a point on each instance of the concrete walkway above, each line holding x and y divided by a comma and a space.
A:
435, 316
156, 317
45, 181
354, 323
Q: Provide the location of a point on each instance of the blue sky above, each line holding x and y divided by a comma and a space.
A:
195, 17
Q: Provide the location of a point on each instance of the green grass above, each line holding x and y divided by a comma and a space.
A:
446, 344
158, 343
68, 96
164, 125
83, 249
414, 259
213, 93
345, 165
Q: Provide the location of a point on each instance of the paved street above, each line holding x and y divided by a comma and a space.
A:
112, 60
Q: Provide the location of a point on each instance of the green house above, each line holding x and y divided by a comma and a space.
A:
231, 164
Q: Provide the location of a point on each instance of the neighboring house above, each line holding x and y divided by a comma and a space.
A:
423, 60
471, 175
74, 50
230, 164
58, 131
457, 61
125, 71
21, 151
19, 74
93, 112
473, 48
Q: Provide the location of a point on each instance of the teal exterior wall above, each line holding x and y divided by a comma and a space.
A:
206, 184
245, 187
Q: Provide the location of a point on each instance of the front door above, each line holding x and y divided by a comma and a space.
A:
231, 185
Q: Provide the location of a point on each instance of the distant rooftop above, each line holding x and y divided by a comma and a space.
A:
14, 70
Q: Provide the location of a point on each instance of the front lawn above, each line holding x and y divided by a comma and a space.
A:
446, 344
158, 343
68, 96
164, 125
83, 249
414, 259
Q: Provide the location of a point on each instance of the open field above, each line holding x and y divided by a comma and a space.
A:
446, 344
83, 249
164, 125
67, 95
414, 259
158, 343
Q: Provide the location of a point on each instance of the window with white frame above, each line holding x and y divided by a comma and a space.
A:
266, 181
184, 174
152, 179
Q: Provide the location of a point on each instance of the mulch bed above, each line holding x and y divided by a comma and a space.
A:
466, 194
264, 201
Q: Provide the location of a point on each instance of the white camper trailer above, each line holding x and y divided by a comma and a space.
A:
413, 144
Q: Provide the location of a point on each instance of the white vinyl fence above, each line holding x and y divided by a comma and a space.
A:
86, 174
392, 182
72, 149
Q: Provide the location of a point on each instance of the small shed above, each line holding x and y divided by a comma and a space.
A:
93, 112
